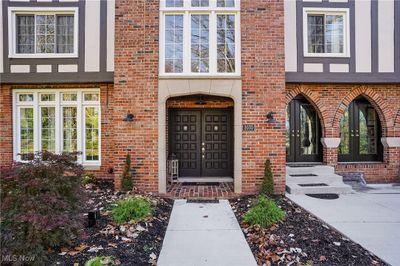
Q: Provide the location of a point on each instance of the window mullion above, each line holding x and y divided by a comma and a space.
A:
36, 122
79, 128
58, 137
35, 32
213, 42
186, 42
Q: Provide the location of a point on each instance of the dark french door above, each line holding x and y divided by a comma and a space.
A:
360, 133
202, 142
303, 132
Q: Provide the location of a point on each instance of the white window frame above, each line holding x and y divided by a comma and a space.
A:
36, 104
327, 11
212, 10
12, 33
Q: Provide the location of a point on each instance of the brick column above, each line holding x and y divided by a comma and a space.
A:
263, 91
330, 150
6, 128
136, 91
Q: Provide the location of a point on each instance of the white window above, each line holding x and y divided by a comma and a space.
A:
326, 32
200, 37
46, 32
58, 121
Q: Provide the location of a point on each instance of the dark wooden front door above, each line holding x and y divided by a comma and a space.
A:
360, 130
202, 142
303, 132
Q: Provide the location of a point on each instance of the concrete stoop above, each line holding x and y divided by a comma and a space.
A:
318, 179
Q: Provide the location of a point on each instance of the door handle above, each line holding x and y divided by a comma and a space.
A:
203, 149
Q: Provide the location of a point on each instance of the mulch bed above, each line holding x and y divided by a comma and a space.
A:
302, 239
128, 244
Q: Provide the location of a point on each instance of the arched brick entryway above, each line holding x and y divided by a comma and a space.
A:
314, 99
381, 107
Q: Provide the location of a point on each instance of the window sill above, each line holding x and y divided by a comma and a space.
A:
91, 167
326, 55
208, 76
39, 56
362, 162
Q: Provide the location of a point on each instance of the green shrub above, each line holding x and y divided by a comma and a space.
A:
131, 209
267, 187
100, 261
265, 213
89, 179
41, 204
126, 179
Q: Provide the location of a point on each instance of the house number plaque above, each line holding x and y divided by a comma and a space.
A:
249, 127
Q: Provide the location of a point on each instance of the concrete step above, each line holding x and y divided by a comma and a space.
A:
336, 188
319, 179
314, 179
320, 169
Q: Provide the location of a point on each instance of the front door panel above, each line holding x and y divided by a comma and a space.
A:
216, 155
202, 142
185, 140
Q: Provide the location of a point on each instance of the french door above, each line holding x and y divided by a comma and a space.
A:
303, 132
360, 133
202, 142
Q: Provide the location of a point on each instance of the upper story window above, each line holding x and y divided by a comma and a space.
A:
326, 32
200, 37
43, 33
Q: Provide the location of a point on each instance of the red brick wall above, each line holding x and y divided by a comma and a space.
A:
263, 78
135, 90
6, 123
331, 100
6, 129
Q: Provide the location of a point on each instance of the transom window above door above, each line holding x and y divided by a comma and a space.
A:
200, 37
43, 33
326, 32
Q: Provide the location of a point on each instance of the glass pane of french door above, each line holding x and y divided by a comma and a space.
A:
308, 130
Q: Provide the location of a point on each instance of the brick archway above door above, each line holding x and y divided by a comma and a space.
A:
168, 88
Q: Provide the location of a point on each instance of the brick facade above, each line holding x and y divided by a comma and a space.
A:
135, 90
330, 102
263, 77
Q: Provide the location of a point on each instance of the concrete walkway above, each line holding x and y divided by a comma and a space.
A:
204, 234
369, 217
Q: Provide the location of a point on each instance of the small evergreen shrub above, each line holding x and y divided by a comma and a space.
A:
265, 213
267, 187
41, 204
100, 261
126, 179
89, 179
131, 209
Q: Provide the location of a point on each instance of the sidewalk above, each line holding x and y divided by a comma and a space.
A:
204, 234
369, 217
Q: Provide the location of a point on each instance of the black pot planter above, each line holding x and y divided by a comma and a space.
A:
93, 216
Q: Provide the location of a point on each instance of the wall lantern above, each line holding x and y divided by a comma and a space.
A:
270, 117
129, 117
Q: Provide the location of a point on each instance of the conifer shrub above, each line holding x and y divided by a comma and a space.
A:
267, 187
126, 179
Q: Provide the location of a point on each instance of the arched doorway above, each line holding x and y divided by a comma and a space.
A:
201, 136
360, 133
303, 132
